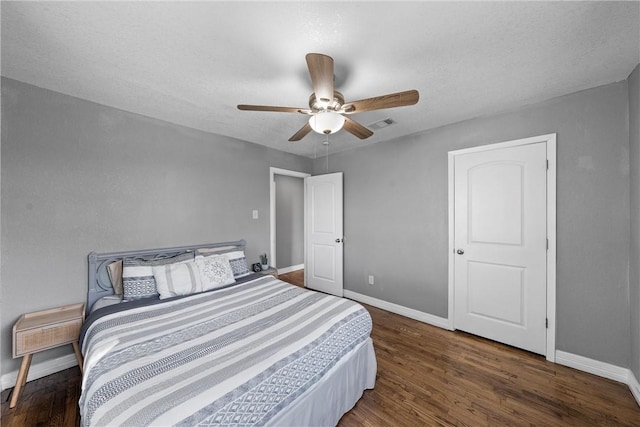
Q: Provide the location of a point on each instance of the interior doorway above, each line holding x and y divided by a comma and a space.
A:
287, 219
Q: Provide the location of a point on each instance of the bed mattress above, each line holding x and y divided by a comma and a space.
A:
262, 352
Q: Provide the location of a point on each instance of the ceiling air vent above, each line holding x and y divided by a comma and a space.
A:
382, 124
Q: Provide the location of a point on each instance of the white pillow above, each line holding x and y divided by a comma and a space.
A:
215, 271
114, 270
177, 279
236, 258
137, 275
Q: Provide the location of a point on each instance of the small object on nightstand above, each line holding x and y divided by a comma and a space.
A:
42, 330
264, 262
270, 271
256, 267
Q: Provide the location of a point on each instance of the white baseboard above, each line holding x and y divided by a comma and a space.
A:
284, 270
398, 309
601, 369
39, 370
634, 385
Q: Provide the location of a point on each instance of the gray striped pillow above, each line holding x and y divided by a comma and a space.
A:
137, 275
177, 279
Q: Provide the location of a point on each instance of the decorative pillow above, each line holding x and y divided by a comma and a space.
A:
181, 278
137, 275
215, 271
236, 258
114, 270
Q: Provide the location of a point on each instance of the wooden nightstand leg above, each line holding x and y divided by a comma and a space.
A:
21, 380
76, 348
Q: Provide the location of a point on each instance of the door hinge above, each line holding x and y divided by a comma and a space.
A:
547, 164
547, 244
546, 323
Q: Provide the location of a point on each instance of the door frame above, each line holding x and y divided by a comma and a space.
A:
272, 208
550, 141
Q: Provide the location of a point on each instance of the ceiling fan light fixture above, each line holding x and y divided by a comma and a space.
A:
327, 108
326, 122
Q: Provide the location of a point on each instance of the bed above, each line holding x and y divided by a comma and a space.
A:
257, 351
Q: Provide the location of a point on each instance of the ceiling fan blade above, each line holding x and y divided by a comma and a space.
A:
301, 133
356, 128
321, 72
244, 107
398, 99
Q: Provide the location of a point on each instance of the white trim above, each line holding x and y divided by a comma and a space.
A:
40, 369
551, 252
272, 206
411, 313
634, 386
285, 270
452, 243
592, 366
506, 144
601, 369
550, 140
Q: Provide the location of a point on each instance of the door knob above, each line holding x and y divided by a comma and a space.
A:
338, 240
460, 251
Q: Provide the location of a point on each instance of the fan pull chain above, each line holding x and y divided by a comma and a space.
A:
327, 152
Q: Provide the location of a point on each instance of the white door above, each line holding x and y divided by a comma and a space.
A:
500, 244
323, 207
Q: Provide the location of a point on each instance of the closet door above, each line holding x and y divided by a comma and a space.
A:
500, 245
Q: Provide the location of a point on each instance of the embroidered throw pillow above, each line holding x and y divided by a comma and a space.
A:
215, 271
236, 258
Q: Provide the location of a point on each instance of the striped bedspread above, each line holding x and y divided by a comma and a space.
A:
235, 356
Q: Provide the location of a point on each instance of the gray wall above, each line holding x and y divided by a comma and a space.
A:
289, 221
80, 177
395, 211
634, 262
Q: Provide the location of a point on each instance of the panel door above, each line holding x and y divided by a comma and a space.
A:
324, 254
500, 244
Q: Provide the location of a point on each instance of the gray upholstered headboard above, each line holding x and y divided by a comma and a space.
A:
99, 284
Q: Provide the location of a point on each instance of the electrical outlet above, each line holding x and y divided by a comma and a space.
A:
371, 281
255, 214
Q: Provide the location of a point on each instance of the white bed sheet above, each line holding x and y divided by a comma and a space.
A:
340, 390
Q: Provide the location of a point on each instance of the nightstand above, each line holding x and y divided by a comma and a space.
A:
272, 271
42, 330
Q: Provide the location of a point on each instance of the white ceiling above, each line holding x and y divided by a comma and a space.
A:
192, 63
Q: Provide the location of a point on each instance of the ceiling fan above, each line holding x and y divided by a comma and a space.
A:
327, 108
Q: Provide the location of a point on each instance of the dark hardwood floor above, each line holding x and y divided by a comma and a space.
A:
295, 277
427, 376
48, 401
